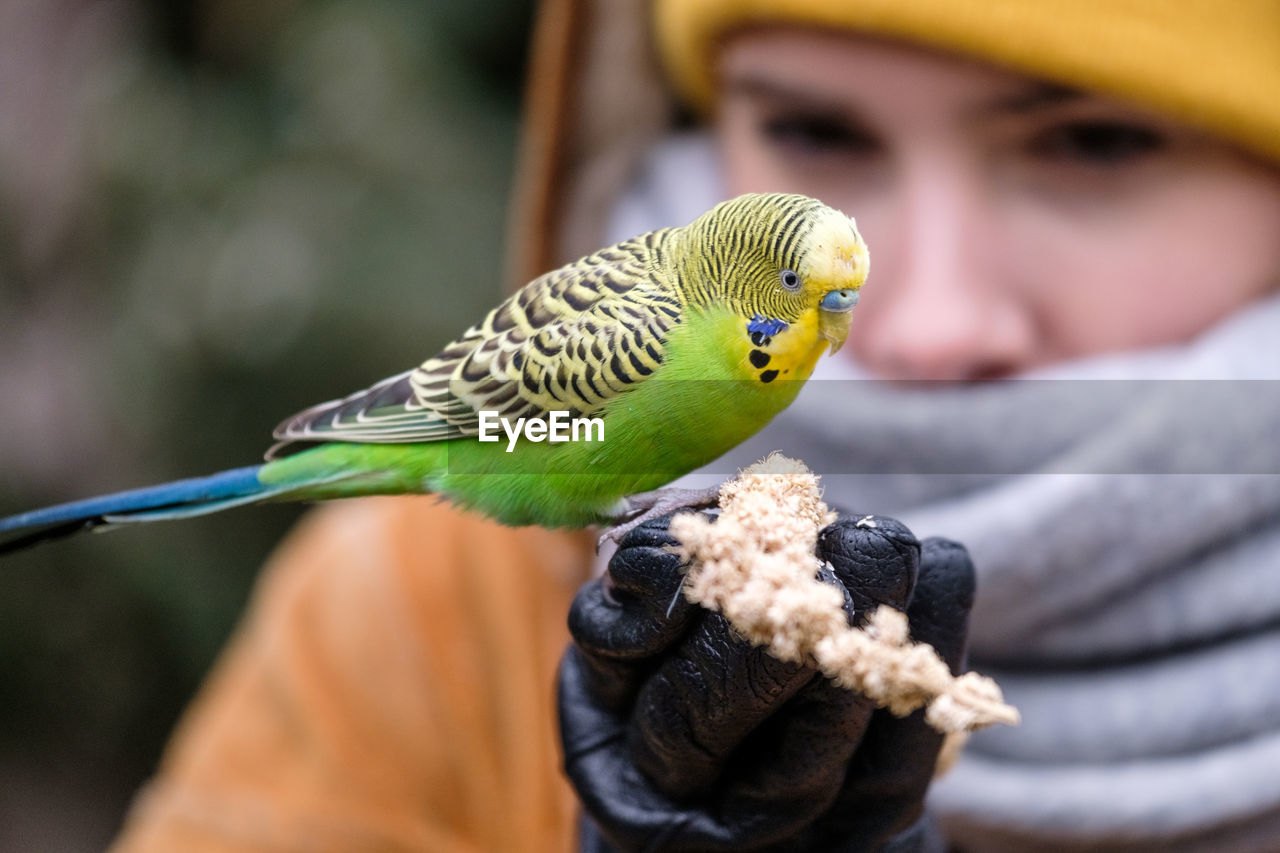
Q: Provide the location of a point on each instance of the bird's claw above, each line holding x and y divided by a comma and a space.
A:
637, 509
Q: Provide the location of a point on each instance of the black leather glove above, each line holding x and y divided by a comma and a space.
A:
679, 736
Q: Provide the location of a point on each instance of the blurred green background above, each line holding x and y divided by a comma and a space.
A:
212, 213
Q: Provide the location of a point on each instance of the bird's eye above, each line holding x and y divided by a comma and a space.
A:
790, 280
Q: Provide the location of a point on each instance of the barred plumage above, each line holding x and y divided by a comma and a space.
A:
579, 336
570, 340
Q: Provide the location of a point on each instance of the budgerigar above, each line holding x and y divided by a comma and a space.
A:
682, 342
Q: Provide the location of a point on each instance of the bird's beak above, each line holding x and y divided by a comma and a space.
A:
834, 316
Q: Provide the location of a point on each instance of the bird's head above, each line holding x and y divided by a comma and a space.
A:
833, 266
783, 257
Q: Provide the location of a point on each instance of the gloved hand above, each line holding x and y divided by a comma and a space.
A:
679, 736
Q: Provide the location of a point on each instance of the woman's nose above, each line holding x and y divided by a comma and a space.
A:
941, 304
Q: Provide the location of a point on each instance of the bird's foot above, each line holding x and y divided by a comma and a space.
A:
635, 510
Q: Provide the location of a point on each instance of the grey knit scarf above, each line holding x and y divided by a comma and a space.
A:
1124, 517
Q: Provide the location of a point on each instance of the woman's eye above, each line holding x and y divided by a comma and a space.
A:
1098, 143
817, 133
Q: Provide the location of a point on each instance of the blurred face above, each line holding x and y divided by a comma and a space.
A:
1012, 224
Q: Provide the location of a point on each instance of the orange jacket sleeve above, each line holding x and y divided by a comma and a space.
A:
392, 688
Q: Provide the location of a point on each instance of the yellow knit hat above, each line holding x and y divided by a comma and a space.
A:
1210, 63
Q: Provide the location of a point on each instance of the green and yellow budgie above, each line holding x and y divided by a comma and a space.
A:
669, 348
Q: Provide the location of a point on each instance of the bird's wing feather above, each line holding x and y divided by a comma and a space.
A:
571, 340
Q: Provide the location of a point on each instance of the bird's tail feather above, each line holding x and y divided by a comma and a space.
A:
179, 499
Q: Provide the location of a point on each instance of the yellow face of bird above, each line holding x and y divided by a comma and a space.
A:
834, 263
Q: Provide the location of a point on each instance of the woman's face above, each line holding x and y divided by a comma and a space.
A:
1012, 223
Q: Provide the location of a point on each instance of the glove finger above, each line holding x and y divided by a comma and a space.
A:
624, 620
884, 792
700, 703
791, 769
939, 609
637, 610
877, 560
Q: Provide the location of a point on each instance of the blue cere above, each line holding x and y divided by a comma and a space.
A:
840, 300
